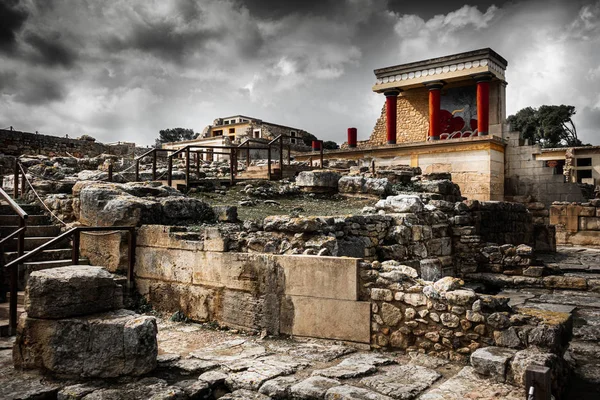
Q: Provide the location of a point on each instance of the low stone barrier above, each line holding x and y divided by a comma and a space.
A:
577, 224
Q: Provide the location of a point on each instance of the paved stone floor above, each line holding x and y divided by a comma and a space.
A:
200, 363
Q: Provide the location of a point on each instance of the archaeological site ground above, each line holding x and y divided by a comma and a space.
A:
443, 258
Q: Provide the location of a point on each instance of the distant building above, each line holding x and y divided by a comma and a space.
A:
240, 127
234, 130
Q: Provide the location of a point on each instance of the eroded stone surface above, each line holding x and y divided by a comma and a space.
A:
347, 392
312, 388
402, 382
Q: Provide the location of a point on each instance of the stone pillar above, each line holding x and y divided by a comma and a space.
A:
435, 125
391, 101
352, 136
483, 103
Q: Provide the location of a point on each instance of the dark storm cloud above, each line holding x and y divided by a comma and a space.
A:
12, 17
277, 8
50, 50
39, 89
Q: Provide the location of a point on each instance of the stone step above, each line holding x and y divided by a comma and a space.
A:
46, 255
33, 266
20, 297
31, 220
32, 230
5, 209
5, 310
34, 242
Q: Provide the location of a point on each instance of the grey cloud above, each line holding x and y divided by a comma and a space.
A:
12, 18
38, 89
276, 8
50, 50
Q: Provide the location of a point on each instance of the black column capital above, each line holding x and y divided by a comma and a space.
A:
483, 77
392, 93
434, 85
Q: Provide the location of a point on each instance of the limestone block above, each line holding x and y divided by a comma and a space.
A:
103, 345
401, 204
431, 269
70, 291
362, 185
318, 179
226, 213
492, 361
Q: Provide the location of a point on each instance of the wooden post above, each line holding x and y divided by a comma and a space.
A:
310, 160
169, 170
137, 170
154, 165
14, 280
110, 171
16, 180
232, 161
281, 157
540, 379
75, 251
187, 169
321, 150
23, 184
131, 255
289, 154
247, 154
373, 167
269, 162
198, 164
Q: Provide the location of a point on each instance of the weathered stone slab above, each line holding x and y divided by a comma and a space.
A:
86, 346
278, 388
403, 382
230, 351
346, 371
468, 385
318, 180
328, 318
347, 392
492, 361
71, 291
401, 204
244, 394
312, 388
302, 276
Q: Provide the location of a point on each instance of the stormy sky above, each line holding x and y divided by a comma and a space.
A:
124, 69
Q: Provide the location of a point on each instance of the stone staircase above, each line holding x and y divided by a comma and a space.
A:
40, 230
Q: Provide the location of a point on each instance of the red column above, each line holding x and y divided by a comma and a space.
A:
391, 101
435, 126
483, 103
316, 145
352, 136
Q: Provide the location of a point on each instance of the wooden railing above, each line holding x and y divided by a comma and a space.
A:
20, 235
13, 266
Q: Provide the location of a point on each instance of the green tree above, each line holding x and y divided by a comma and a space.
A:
308, 138
174, 135
330, 145
551, 126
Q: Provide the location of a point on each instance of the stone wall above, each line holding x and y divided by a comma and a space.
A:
16, 143
295, 295
577, 224
526, 176
412, 120
446, 320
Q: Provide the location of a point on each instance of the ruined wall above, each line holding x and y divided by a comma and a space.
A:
412, 118
448, 321
526, 176
577, 224
296, 295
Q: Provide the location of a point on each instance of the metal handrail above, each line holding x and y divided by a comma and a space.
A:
12, 235
13, 204
75, 232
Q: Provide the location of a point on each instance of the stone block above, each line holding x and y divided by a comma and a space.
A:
226, 213
492, 361
105, 345
70, 291
326, 318
318, 180
401, 204
431, 269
